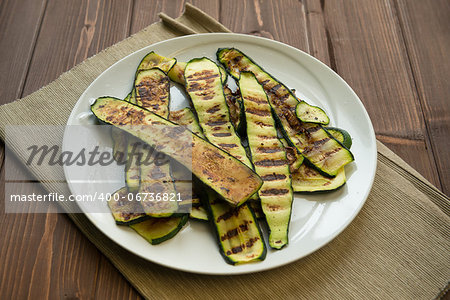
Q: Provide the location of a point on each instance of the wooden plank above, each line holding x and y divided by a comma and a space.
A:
366, 48
112, 285
283, 21
426, 27
19, 25
43, 256
46, 256
81, 29
146, 12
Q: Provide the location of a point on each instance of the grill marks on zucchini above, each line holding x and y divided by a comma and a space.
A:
269, 158
182, 176
205, 90
211, 164
125, 212
284, 103
152, 90
237, 230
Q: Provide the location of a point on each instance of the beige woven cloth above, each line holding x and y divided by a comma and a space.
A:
396, 248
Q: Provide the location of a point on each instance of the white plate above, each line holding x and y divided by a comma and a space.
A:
316, 219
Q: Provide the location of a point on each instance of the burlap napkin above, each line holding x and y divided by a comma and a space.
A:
397, 247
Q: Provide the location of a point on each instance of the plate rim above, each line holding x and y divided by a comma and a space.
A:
344, 225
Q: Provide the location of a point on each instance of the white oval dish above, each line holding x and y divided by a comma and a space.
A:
316, 219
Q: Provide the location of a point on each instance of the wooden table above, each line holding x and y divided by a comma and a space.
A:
393, 53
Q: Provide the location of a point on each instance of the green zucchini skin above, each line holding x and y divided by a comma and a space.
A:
284, 103
341, 135
269, 159
214, 161
152, 92
159, 230
125, 212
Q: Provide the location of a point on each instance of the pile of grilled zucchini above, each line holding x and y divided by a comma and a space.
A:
252, 148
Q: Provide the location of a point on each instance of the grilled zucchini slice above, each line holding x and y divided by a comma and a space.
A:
269, 159
284, 103
125, 212
159, 230
205, 89
213, 166
132, 171
238, 233
308, 180
152, 90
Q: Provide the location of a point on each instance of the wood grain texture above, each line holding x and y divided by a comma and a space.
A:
43, 255
283, 21
146, 12
20, 21
426, 28
70, 32
366, 48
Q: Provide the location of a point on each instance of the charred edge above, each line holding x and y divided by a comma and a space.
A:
213, 109
274, 192
241, 247
270, 162
269, 150
273, 177
316, 145
259, 112
256, 100
263, 124
228, 145
216, 123
222, 134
